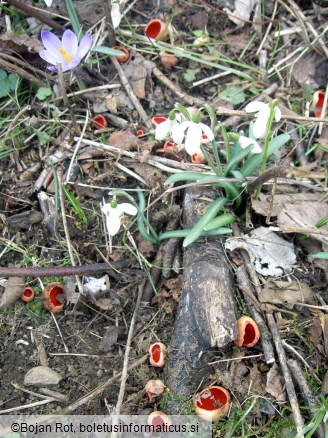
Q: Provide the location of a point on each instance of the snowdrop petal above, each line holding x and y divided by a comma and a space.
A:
113, 223
255, 106
163, 129
50, 41
277, 114
246, 141
127, 208
48, 2
259, 128
177, 133
85, 46
69, 44
207, 131
194, 134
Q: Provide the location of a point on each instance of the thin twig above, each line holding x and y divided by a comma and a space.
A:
124, 377
131, 94
33, 12
299, 423
65, 99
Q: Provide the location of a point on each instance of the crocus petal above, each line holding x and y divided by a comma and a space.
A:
207, 131
163, 129
277, 114
178, 133
50, 57
69, 43
51, 42
192, 143
85, 46
52, 69
127, 208
113, 223
254, 107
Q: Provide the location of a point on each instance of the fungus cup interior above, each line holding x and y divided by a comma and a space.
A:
159, 120
157, 421
99, 122
55, 293
153, 30
156, 353
319, 104
28, 292
212, 399
250, 334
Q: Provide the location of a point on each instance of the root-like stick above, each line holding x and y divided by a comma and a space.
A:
124, 377
32, 12
131, 94
299, 423
266, 340
66, 271
155, 274
21, 72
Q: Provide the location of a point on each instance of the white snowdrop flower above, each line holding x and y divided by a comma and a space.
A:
114, 212
262, 117
246, 141
48, 2
169, 126
193, 135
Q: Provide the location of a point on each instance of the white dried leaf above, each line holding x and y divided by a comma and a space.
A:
242, 12
95, 286
269, 253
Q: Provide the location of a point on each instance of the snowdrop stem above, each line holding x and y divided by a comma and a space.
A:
272, 106
141, 221
209, 160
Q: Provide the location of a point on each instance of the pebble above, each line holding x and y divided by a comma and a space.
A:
42, 376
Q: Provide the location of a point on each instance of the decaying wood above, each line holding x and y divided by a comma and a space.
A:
206, 316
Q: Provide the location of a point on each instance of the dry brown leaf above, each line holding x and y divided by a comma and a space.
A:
324, 324
110, 338
275, 384
13, 290
316, 334
124, 140
262, 204
286, 293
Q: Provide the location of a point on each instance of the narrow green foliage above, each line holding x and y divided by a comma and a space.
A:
73, 17
321, 255
75, 204
232, 163
210, 213
176, 234
254, 161
322, 222
220, 221
107, 51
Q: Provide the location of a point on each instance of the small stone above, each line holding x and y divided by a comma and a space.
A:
42, 376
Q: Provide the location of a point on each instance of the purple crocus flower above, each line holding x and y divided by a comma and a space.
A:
67, 51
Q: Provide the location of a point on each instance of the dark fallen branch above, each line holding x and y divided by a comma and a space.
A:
66, 271
206, 316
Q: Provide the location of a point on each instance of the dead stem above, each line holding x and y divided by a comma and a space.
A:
299, 423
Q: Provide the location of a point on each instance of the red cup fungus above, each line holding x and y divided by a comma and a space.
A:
157, 120
248, 332
212, 403
168, 60
125, 55
99, 122
156, 28
154, 388
28, 294
317, 103
140, 132
54, 297
158, 418
157, 354
198, 158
